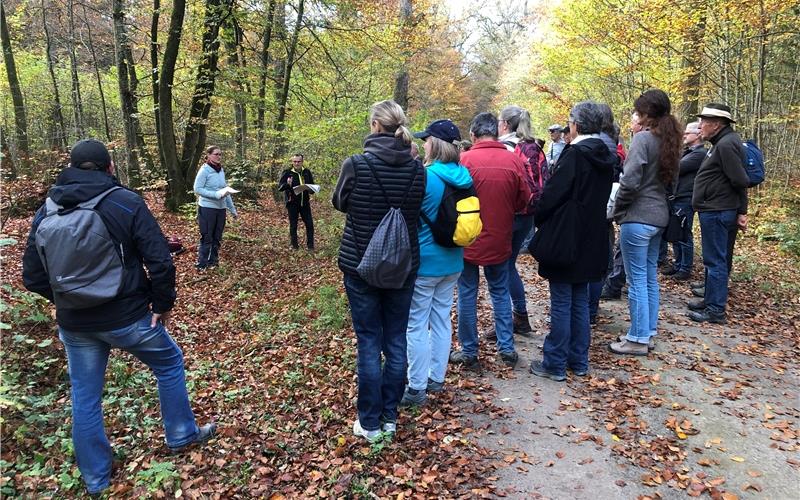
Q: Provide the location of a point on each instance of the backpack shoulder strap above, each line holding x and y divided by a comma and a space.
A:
375, 175
93, 202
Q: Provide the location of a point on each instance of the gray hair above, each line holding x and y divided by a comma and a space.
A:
587, 117
608, 119
518, 121
484, 125
693, 127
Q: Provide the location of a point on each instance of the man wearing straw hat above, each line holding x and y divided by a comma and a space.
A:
720, 199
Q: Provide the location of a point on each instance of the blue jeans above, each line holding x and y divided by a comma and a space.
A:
640, 245
87, 356
430, 332
522, 228
718, 230
380, 319
684, 250
595, 290
497, 278
567, 345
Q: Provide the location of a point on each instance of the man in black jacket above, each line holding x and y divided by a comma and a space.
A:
298, 204
720, 198
693, 156
133, 321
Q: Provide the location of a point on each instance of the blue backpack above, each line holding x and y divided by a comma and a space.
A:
754, 163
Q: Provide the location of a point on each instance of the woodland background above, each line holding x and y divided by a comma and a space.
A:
268, 346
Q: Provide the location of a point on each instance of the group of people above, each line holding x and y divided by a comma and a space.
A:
404, 333
563, 206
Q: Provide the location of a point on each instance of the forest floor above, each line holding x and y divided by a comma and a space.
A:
270, 356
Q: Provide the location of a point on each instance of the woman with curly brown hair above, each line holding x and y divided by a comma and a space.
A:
642, 212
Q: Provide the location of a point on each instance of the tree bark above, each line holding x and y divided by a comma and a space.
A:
97, 75
77, 101
154, 48
20, 116
233, 42
262, 84
59, 139
126, 96
280, 147
692, 62
400, 94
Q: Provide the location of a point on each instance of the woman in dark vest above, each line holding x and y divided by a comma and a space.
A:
380, 316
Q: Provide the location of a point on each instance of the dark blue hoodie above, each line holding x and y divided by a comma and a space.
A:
129, 222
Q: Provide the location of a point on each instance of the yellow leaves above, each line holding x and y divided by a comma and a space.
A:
737, 459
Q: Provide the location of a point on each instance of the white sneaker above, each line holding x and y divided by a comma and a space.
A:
389, 427
370, 436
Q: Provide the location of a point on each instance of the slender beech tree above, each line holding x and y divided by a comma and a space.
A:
127, 98
90, 46
401, 78
283, 98
77, 100
233, 43
154, 49
20, 117
59, 138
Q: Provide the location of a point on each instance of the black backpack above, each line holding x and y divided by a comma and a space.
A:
458, 220
386, 262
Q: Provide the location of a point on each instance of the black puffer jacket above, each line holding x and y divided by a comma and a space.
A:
129, 222
586, 166
358, 195
690, 164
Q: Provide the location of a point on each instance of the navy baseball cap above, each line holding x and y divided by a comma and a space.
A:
90, 151
441, 129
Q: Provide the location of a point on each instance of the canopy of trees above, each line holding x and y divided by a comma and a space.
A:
161, 80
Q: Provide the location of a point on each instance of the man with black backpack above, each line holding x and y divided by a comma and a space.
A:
720, 199
85, 253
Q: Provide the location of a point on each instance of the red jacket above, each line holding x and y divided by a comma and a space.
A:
497, 177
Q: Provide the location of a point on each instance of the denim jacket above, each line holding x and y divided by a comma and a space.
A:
206, 185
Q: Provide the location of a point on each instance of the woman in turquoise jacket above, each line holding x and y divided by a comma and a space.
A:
429, 329
213, 199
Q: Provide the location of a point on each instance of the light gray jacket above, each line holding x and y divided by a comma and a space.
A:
642, 196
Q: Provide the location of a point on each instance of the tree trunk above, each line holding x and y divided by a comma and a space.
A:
7, 166
20, 117
77, 101
97, 75
144, 153
401, 78
280, 148
154, 71
692, 63
262, 84
126, 97
762, 73
59, 140
233, 41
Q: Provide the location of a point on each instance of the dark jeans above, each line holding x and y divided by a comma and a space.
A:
380, 319
567, 345
522, 227
304, 211
718, 235
212, 223
596, 287
683, 251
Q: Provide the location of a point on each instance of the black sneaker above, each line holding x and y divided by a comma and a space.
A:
509, 358
581, 372
434, 386
696, 304
469, 362
668, 271
538, 370
414, 397
204, 434
607, 294
699, 292
707, 316
697, 284
682, 276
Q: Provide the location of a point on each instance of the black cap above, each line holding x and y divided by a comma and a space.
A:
90, 151
441, 129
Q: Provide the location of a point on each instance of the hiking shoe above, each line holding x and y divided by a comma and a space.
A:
607, 294
538, 370
370, 436
469, 362
434, 386
414, 397
696, 304
682, 276
522, 325
651, 344
708, 316
668, 271
628, 347
204, 434
509, 358
491, 335
389, 428
581, 372
200, 269
697, 284
699, 292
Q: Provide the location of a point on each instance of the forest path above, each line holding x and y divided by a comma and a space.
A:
707, 413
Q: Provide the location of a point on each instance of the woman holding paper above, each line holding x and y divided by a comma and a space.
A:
214, 197
297, 185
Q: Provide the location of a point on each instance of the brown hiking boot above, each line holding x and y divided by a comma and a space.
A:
522, 325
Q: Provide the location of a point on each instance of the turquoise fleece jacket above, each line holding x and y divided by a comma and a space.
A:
436, 260
206, 185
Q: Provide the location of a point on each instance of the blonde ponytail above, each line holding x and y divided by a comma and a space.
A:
392, 118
